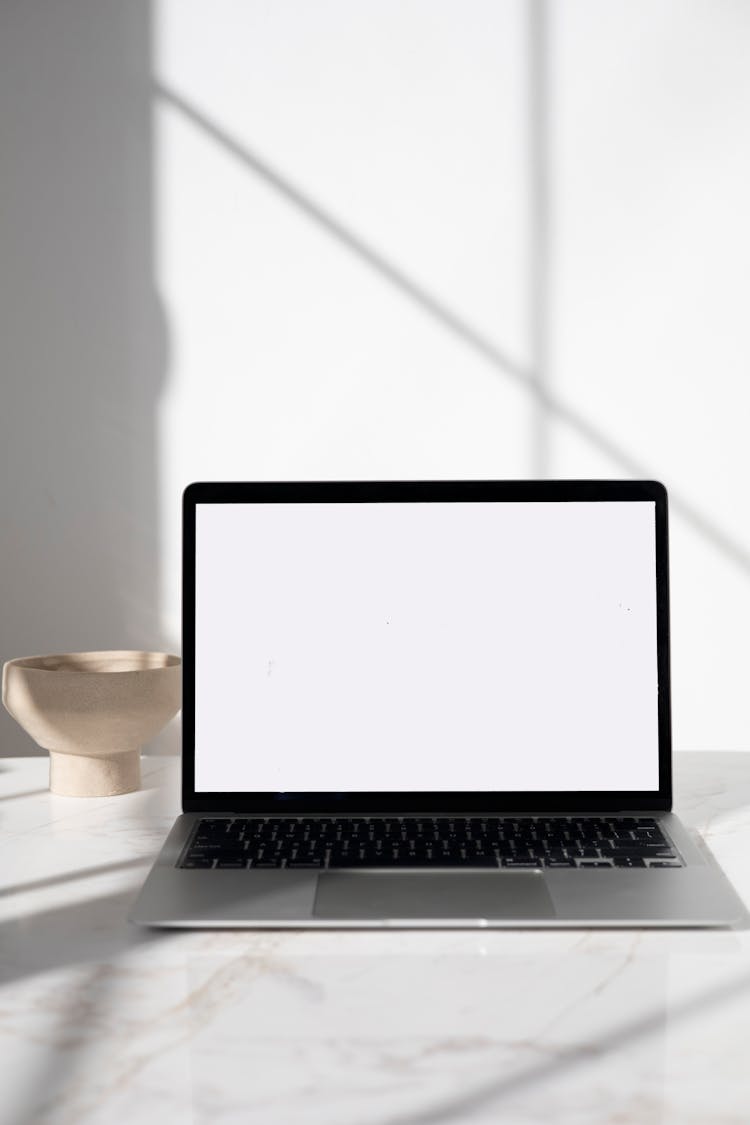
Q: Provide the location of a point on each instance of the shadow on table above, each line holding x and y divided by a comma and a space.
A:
72, 876
90, 935
83, 938
488, 1097
26, 793
83, 932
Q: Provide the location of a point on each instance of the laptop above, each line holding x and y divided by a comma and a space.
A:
428, 704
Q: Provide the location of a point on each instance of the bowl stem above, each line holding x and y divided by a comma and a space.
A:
84, 775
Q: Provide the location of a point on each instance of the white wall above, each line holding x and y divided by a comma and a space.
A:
650, 335
319, 239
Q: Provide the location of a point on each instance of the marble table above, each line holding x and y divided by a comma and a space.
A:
103, 1022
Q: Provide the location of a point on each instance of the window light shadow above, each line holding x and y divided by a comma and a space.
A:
554, 407
89, 936
566, 1059
81, 932
18, 796
73, 876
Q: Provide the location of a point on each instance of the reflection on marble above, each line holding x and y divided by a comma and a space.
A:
104, 1023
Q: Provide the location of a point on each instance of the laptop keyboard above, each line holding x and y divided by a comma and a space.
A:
512, 842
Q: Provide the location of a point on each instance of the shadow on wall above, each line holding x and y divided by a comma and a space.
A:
534, 378
82, 339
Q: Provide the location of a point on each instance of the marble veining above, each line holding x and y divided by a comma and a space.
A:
101, 1022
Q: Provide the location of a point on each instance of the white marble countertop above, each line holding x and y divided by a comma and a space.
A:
102, 1022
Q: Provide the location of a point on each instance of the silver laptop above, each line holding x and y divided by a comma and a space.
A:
428, 704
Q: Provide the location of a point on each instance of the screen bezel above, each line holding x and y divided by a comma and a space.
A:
368, 492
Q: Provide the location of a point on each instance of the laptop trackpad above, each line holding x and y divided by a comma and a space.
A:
401, 895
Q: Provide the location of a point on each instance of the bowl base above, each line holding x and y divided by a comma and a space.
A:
82, 775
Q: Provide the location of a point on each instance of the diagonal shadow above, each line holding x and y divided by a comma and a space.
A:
567, 1058
90, 935
733, 550
86, 931
27, 793
343, 234
74, 876
82, 940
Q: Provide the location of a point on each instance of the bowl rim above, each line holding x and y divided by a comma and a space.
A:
31, 663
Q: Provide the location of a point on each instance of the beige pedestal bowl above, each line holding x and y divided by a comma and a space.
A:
93, 711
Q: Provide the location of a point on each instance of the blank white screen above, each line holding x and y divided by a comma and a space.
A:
426, 646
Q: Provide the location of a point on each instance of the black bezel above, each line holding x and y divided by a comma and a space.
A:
427, 802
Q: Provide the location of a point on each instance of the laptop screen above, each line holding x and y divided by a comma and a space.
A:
413, 646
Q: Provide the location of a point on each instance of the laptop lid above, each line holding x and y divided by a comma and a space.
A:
441, 646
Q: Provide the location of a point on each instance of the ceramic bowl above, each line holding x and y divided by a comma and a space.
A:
93, 711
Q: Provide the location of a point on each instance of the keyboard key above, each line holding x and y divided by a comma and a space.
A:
459, 861
619, 852
416, 861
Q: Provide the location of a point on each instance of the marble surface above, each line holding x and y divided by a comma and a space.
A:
101, 1022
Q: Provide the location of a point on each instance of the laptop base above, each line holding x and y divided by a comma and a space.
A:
695, 895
